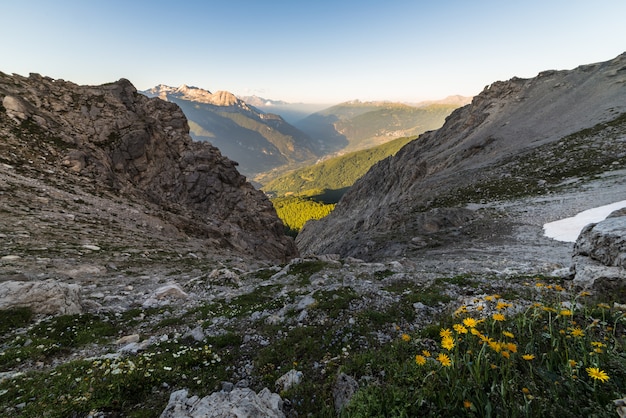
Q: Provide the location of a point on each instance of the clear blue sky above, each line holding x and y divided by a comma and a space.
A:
314, 51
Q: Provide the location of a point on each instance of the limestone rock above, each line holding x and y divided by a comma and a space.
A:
237, 403
288, 380
599, 259
46, 297
344, 389
171, 290
111, 140
15, 108
127, 339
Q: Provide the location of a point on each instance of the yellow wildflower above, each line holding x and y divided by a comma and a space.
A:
506, 354
577, 332
498, 317
525, 391
470, 322
598, 344
426, 353
585, 293
489, 298
445, 332
406, 337
511, 347
462, 309
508, 334
467, 404
558, 288
565, 312
603, 306
420, 360
572, 363
502, 305
444, 360
528, 357
495, 346
447, 343
597, 374
460, 329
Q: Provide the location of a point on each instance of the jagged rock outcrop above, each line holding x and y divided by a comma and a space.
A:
110, 141
599, 259
521, 137
45, 297
238, 403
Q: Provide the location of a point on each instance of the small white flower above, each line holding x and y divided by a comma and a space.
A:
167, 368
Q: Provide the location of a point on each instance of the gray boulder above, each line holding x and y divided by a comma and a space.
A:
344, 389
45, 297
599, 259
238, 403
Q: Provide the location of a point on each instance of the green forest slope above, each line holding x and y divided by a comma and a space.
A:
336, 173
312, 192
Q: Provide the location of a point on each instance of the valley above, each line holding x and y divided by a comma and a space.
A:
142, 275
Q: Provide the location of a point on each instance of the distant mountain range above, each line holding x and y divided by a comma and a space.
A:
249, 130
356, 125
291, 112
258, 141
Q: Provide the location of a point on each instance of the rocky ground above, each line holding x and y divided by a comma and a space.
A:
176, 290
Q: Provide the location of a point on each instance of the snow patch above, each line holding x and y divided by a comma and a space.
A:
568, 229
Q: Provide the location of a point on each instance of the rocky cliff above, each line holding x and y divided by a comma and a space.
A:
518, 138
126, 164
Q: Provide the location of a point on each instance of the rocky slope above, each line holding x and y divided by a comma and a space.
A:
258, 141
95, 165
519, 138
165, 315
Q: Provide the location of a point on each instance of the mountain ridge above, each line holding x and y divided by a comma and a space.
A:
509, 119
110, 142
258, 141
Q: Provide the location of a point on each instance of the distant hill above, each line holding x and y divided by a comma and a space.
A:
257, 141
333, 176
356, 125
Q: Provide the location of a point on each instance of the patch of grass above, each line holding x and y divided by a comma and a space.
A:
125, 386
11, 319
334, 302
557, 357
381, 274
307, 268
460, 280
264, 274
262, 298
75, 330
54, 336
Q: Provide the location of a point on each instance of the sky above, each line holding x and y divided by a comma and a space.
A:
307, 51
